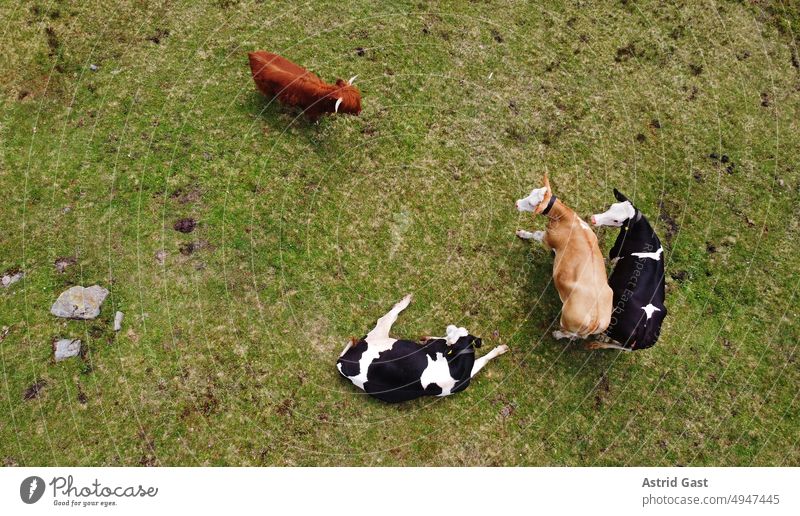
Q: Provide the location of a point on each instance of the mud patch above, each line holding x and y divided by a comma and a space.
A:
730, 166
158, 35
285, 408
186, 225
625, 53
189, 248
148, 457
603, 388
186, 195
664, 216
679, 276
52, 41
35, 389
82, 398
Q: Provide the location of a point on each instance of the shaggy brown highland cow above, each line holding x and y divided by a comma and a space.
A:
295, 86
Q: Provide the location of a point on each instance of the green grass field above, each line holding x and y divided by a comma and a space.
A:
306, 234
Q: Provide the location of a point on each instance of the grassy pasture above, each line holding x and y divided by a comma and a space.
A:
307, 233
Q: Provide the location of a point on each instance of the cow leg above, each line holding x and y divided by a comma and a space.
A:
350, 344
384, 325
558, 335
527, 235
482, 361
605, 345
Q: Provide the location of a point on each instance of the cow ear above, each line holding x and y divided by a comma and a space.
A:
618, 195
477, 342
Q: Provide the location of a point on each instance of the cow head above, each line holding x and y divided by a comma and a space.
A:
538, 199
346, 98
459, 338
617, 214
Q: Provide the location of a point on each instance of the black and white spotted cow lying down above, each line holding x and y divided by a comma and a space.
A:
395, 370
637, 279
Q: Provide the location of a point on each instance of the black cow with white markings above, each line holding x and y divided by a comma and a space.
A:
395, 370
637, 279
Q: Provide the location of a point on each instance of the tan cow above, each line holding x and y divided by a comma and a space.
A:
579, 271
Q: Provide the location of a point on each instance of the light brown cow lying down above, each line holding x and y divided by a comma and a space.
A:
579, 271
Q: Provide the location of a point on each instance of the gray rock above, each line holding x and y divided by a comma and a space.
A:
10, 278
118, 321
79, 302
66, 348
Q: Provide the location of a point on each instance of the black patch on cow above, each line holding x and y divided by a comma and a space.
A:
395, 375
636, 282
349, 361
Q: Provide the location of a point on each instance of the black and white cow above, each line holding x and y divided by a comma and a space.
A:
395, 370
637, 279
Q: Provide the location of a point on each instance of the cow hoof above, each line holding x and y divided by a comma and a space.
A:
405, 301
501, 349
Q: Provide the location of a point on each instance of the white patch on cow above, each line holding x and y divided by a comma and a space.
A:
374, 348
655, 256
649, 310
438, 372
616, 215
584, 225
533, 200
454, 333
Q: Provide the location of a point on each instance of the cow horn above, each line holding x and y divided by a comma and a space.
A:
353, 78
336, 108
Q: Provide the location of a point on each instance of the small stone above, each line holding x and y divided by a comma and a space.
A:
93, 67
79, 302
11, 277
781, 182
161, 255
118, 320
61, 264
66, 348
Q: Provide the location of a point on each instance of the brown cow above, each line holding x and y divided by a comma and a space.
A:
295, 86
579, 271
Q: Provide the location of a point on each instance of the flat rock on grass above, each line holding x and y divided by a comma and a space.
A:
11, 277
61, 264
66, 348
79, 302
